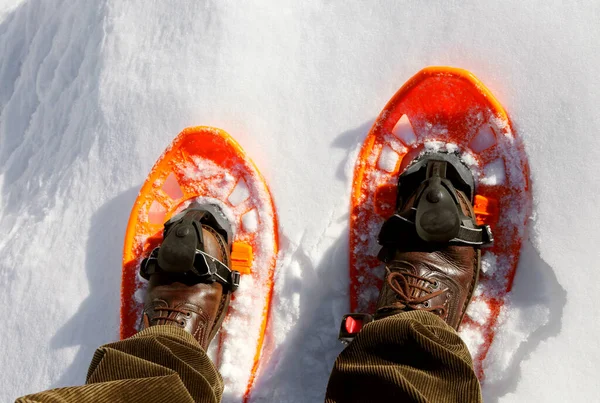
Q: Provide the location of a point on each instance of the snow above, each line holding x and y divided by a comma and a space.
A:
92, 91
483, 140
493, 173
250, 221
388, 159
404, 130
239, 193
171, 187
157, 213
478, 311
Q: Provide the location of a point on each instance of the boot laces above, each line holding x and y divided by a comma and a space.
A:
160, 309
403, 287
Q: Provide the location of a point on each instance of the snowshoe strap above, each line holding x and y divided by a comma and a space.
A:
205, 269
399, 229
181, 252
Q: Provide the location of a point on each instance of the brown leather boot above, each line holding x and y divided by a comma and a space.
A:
431, 245
181, 290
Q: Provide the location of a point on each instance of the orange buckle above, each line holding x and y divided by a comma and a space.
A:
241, 257
486, 210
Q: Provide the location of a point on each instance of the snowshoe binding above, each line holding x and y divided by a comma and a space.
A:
182, 250
432, 233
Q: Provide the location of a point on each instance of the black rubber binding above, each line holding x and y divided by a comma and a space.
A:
181, 250
436, 216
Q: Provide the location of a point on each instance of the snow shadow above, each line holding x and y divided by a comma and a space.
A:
298, 369
350, 140
49, 83
537, 302
312, 293
96, 322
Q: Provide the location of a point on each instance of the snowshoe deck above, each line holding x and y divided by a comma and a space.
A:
443, 109
206, 165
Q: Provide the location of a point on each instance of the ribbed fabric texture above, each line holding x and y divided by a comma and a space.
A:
409, 357
159, 364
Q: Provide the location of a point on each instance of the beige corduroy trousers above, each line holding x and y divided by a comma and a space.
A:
408, 357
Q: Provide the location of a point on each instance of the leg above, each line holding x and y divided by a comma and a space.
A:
411, 356
161, 363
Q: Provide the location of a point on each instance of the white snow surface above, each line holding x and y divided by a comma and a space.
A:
92, 91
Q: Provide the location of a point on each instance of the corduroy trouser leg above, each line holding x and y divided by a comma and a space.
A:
409, 357
159, 364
